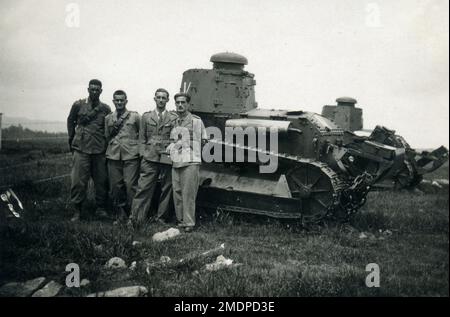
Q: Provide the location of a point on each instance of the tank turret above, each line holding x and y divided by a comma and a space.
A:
222, 92
345, 114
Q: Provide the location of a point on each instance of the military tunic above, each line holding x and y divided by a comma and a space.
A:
154, 137
86, 129
122, 156
185, 152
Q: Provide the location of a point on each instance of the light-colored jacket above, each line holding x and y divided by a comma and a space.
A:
125, 145
186, 141
155, 135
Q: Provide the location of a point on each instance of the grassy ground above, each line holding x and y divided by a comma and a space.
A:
406, 235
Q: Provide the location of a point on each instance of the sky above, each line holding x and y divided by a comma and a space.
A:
392, 56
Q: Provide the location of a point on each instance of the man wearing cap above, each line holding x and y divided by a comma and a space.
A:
154, 137
122, 154
86, 129
185, 151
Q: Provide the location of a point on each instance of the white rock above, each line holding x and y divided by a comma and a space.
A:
136, 243
133, 265
85, 282
130, 291
24, 289
362, 235
51, 289
165, 235
220, 263
164, 259
115, 263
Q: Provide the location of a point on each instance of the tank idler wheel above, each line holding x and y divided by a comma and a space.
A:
315, 190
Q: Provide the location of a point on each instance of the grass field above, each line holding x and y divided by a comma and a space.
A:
406, 234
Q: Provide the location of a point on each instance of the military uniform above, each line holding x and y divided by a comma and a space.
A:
185, 152
86, 129
154, 137
122, 153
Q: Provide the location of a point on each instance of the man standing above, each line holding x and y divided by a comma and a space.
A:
86, 129
122, 135
154, 137
185, 151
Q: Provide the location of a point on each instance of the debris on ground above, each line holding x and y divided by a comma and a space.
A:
442, 182
387, 232
192, 259
85, 282
51, 289
220, 263
436, 184
381, 235
133, 265
115, 263
136, 243
10, 199
25, 289
165, 235
129, 291
164, 259
433, 186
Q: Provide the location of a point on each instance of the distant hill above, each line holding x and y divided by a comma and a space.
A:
35, 125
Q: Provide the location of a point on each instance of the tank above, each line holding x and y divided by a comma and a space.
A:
415, 164
322, 171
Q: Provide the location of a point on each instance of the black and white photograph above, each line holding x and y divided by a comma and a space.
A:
239, 151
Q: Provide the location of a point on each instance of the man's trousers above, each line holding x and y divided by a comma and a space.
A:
185, 187
84, 167
123, 181
150, 172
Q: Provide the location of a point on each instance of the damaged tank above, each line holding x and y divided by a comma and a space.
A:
321, 172
415, 163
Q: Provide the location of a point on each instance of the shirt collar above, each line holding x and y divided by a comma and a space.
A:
115, 114
162, 113
185, 118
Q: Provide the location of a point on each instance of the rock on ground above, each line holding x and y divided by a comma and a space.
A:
51, 289
165, 235
220, 263
133, 265
85, 282
115, 263
164, 259
130, 291
24, 289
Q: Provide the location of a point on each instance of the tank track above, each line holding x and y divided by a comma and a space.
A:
347, 198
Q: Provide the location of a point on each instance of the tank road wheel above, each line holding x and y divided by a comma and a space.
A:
315, 189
